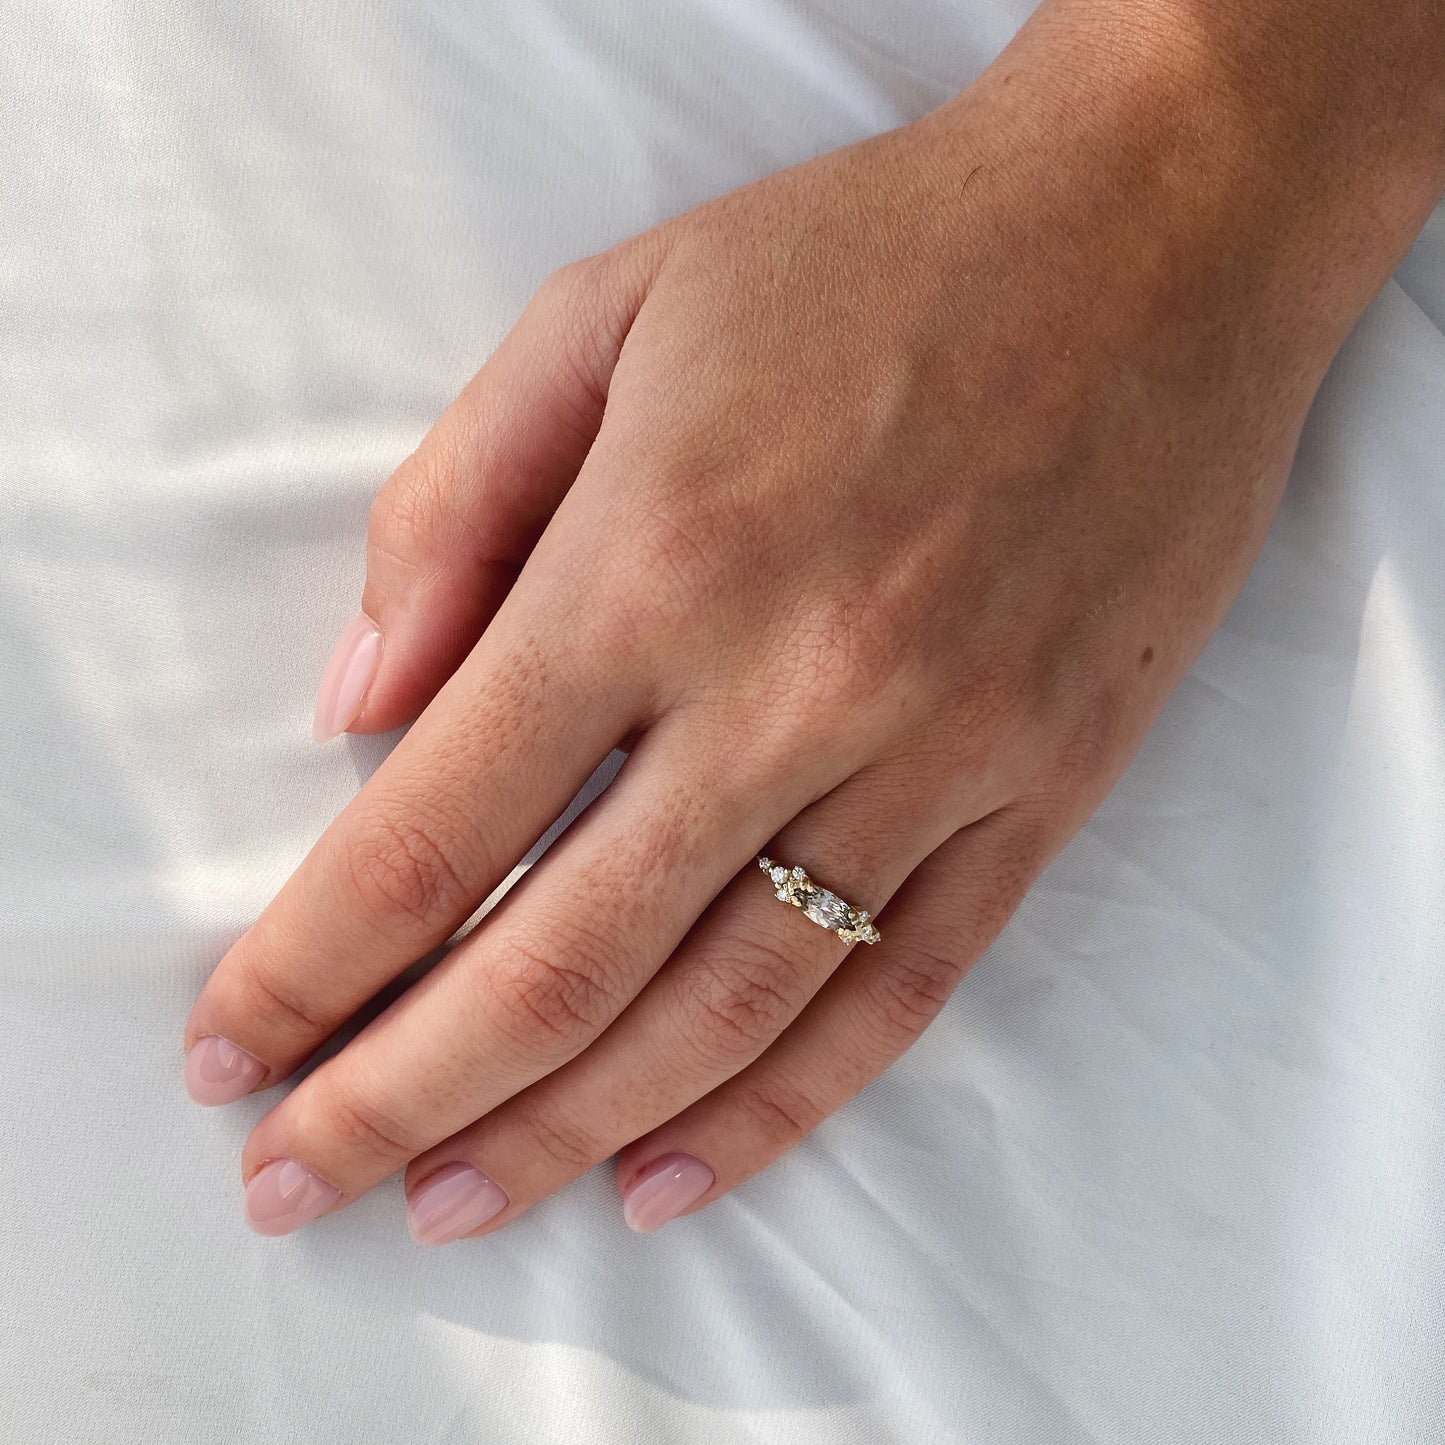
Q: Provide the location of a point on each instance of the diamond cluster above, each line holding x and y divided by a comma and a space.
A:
825, 908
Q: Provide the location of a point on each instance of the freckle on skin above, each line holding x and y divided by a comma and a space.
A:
1146, 657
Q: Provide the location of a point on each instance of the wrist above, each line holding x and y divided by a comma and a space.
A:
1280, 154
1319, 117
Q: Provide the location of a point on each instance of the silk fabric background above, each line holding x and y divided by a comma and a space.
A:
1169, 1166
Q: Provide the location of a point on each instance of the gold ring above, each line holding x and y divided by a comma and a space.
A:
825, 908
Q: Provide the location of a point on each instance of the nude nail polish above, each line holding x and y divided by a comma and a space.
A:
348, 676
219, 1072
455, 1200
665, 1190
283, 1195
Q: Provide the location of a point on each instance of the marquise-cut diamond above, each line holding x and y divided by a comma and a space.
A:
826, 908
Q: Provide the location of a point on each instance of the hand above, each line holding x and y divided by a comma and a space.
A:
876, 508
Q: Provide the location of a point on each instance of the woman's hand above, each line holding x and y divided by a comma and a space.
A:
876, 508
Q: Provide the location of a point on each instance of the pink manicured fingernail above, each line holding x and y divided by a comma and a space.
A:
283, 1195
348, 675
452, 1202
673, 1182
217, 1072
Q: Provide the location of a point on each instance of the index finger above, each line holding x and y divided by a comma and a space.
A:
492, 762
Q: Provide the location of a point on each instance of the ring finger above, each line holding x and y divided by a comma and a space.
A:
866, 1015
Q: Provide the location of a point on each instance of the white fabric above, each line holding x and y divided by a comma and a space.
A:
1169, 1167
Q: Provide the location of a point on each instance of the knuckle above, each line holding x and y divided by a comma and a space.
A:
1015, 858
587, 287
276, 1007
576, 308
365, 1131
782, 1114
668, 569
401, 867
571, 1149
985, 702
544, 1001
1094, 745
673, 541
404, 516
738, 1002
909, 989
569, 282
834, 673
652, 588
826, 651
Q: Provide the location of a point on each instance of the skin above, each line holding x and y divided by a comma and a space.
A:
876, 508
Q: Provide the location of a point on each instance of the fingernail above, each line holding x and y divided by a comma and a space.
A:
452, 1202
674, 1182
217, 1072
283, 1195
348, 675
